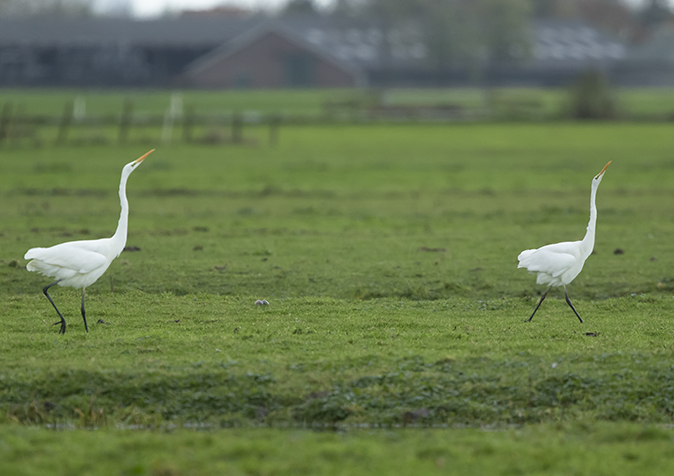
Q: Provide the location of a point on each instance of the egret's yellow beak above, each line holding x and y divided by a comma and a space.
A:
598, 175
142, 157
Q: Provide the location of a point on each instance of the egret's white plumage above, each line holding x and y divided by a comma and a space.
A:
555, 264
558, 264
79, 264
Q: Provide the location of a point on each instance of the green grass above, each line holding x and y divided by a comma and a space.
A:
325, 362
551, 449
388, 256
508, 103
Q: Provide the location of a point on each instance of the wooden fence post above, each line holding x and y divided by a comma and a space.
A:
64, 124
125, 122
237, 128
175, 110
274, 123
188, 124
19, 125
79, 108
5, 121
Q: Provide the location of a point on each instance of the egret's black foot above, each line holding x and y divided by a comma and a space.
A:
62, 330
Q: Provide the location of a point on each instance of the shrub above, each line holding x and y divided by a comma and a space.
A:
591, 97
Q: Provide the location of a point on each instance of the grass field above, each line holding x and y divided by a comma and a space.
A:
395, 339
508, 103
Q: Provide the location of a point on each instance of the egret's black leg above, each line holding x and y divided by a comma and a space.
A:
86, 328
539, 303
62, 321
568, 301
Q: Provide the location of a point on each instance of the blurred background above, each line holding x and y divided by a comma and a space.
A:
338, 43
380, 59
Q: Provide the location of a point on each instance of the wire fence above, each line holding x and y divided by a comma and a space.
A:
184, 124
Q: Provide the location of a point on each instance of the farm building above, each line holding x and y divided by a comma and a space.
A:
651, 63
261, 52
271, 57
106, 51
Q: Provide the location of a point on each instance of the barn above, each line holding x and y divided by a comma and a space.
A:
272, 57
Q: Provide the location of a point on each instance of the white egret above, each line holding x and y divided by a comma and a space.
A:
558, 264
79, 264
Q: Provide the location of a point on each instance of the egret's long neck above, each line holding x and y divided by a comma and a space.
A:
587, 245
119, 238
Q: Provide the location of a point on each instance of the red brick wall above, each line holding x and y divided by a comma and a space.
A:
263, 62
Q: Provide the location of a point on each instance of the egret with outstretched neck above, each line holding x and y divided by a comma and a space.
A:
79, 264
559, 264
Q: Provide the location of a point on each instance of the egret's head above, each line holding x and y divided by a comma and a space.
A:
598, 177
131, 166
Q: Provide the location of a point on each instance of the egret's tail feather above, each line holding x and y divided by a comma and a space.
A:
43, 268
32, 253
523, 258
35, 254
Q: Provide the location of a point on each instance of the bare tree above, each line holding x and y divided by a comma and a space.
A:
471, 34
465, 34
655, 12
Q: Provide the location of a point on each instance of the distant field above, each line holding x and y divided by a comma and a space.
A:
388, 256
101, 102
507, 103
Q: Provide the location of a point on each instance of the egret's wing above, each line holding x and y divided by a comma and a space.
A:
76, 256
546, 260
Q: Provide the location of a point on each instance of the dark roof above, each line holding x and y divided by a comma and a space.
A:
360, 42
365, 44
345, 39
554, 42
239, 42
186, 31
572, 42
